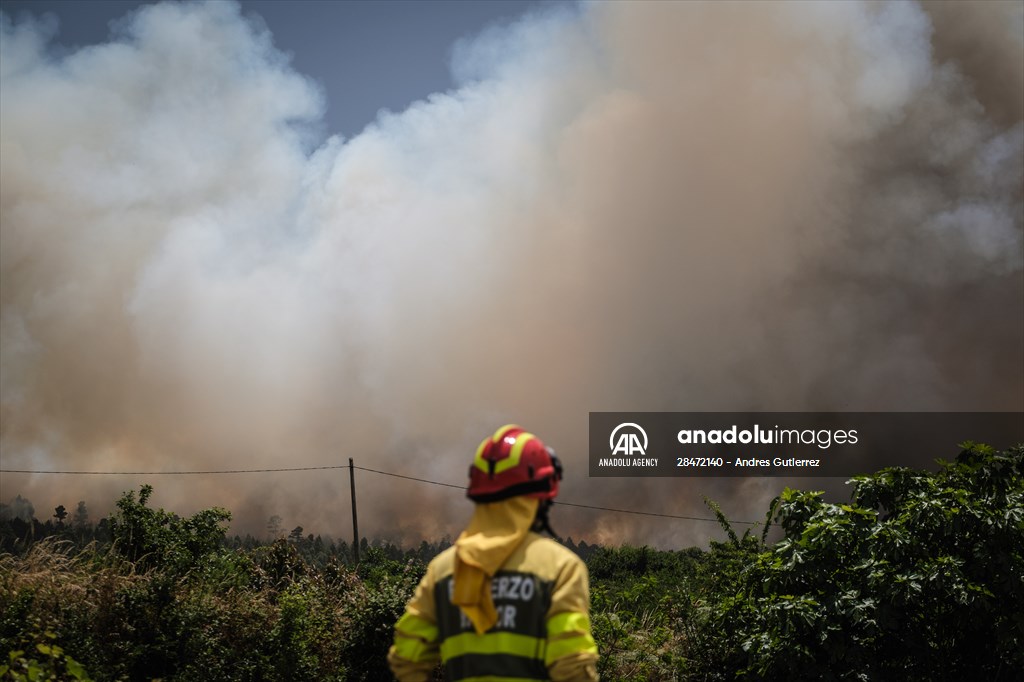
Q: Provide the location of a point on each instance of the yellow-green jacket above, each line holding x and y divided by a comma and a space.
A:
543, 631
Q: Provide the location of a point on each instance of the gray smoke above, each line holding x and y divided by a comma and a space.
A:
624, 206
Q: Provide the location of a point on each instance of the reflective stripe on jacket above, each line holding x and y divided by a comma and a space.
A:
543, 629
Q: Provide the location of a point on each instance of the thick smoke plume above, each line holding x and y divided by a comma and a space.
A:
623, 206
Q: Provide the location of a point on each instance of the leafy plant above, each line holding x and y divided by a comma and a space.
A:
921, 576
154, 537
39, 657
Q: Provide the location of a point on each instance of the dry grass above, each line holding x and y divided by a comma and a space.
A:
58, 575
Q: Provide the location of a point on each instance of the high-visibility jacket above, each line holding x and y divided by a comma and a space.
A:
542, 597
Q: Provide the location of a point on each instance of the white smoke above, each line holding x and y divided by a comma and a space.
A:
636, 206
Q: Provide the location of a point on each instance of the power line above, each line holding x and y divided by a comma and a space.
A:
413, 478
170, 473
567, 504
643, 513
340, 466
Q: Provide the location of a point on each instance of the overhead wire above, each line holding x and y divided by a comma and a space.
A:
172, 473
345, 466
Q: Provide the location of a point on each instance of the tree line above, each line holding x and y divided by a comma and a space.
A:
20, 529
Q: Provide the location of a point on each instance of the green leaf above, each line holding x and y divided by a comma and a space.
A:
76, 669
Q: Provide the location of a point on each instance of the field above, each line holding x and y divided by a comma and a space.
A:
919, 577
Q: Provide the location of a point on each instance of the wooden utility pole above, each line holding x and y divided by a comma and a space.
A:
355, 518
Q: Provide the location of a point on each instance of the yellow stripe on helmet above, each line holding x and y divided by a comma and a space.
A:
501, 432
514, 455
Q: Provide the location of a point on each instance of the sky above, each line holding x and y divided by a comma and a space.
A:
258, 235
365, 55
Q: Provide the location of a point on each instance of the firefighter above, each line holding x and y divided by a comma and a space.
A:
503, 602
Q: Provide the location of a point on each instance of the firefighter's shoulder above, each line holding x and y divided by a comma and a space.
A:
543, 556
443, 564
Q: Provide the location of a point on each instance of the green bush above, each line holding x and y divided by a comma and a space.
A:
23, 663
375, 603
920, 577
156, 538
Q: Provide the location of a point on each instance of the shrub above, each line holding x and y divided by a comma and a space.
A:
921, 576
156, 538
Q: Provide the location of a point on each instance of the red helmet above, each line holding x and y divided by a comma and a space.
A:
513, 462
